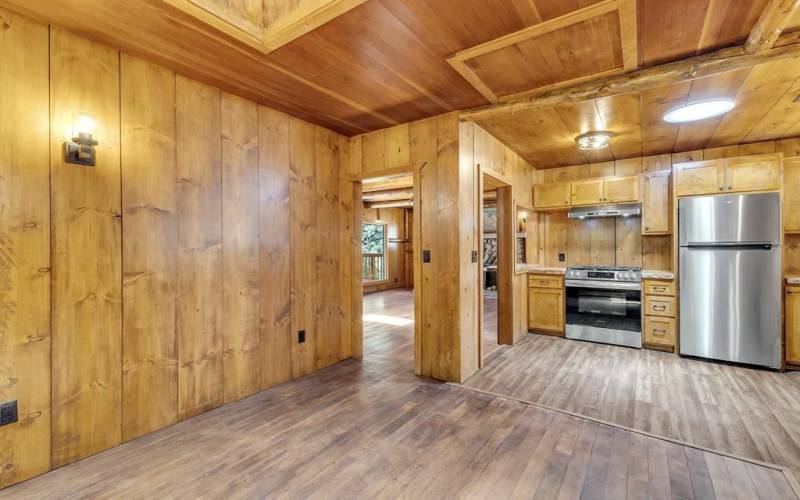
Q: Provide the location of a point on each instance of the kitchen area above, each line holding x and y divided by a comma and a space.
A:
665, 301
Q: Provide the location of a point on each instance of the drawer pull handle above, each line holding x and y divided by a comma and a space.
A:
543, 283
659, 332
659, 308
660, 288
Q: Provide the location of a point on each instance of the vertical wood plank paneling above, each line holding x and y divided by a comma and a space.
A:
24, 246
199, 306
356, 302
423, 151
303, 226
240, 248
274, 256
346, 248
86, 254
469, 272
326, 203
446, 365
149, 248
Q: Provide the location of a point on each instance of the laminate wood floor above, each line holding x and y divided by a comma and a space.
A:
742, 411
367, 429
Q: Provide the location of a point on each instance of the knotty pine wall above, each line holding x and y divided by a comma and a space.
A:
172, 277
444, 343
498, 160
619, 241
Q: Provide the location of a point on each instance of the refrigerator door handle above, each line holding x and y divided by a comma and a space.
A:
751, 245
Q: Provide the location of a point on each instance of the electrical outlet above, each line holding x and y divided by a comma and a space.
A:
562, 257
301, 337
426, 256
474, 256
8, 412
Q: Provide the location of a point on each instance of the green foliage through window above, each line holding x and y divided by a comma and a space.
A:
372, 238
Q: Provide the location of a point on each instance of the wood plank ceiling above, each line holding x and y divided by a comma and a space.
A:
384, 62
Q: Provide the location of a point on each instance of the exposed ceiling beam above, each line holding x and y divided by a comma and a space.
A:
713, 63
389, 195
770, 25
389, 204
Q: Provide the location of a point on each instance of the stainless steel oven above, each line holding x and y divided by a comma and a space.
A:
604, 305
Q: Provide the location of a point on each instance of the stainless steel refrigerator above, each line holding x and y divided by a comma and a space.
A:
730, 278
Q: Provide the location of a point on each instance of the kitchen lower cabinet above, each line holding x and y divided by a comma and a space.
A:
546, 304
793, 324
659, 326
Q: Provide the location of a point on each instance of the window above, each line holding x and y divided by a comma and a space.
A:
373, 250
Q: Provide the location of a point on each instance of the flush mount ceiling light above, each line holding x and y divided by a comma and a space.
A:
699, 111
593, 140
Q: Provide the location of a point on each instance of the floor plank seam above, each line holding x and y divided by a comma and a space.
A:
787, 473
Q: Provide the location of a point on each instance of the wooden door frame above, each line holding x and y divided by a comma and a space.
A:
416, 246
506, 251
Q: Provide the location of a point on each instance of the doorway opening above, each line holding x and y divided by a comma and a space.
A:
497, 221
387, 266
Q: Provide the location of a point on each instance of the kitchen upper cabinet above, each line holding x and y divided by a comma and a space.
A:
731, 175
791, 195
546, 303
656, 203
588, 192
753, 173
551, 195
699, 177
793, 324
621, 189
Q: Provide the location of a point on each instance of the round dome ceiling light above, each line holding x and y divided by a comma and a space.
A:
593, 140
699, 111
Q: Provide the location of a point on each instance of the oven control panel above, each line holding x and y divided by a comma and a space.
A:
630, 274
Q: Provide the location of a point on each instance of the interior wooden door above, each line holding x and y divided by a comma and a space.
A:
588, 192
655, 203
621, 189
699, 177
756, 173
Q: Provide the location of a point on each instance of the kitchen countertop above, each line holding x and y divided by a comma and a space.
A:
793, 280
652, 274
536, 268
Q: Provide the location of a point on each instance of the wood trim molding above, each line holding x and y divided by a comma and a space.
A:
308, 17
770, 24
626, 10
713, 63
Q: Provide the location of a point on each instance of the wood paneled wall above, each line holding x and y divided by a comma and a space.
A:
445, 330
24, 246
498, 160
183, 264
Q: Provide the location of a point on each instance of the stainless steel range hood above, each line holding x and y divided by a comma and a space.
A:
596, 211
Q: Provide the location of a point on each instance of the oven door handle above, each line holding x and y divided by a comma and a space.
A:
603, 285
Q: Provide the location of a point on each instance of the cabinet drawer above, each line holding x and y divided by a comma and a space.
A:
545, 281
660, 331
659, 306
659, 287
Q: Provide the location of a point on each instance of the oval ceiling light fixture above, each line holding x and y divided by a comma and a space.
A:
593, 140
699, 110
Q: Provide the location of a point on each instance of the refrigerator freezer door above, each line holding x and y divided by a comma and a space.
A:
730, 304
732, 218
